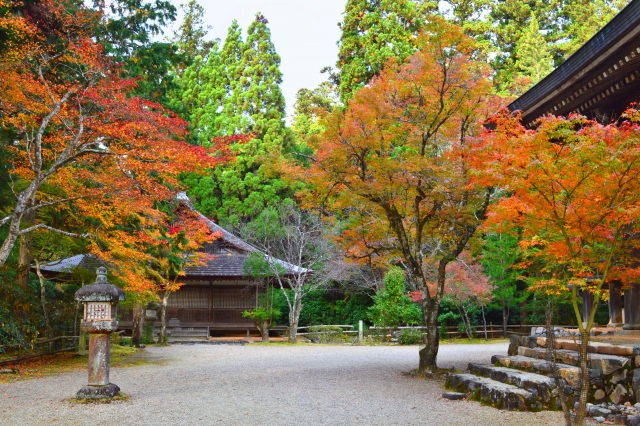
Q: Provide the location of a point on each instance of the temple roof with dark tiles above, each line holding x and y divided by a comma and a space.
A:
228, 254
600, 80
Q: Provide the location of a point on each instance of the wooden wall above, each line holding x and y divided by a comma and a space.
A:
211, 304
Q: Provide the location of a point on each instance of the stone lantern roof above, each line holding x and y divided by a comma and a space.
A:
100, 291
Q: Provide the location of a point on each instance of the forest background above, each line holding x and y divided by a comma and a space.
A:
208, 116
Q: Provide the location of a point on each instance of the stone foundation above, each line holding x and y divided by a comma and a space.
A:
98, 392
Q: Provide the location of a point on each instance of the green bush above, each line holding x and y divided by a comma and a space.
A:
411, 336
147, 333
327, 334
392, 306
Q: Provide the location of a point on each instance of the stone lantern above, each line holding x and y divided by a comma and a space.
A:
100, 305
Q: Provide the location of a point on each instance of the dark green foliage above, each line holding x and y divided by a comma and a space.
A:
392, 306
237, 91
333, 307
372, 32
499, 257
128, 34
190, 37
410, 336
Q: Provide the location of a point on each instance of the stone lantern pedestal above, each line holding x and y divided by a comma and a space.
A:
100, 304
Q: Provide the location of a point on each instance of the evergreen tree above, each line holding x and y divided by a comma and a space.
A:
372, 32
127, 33
247, 76
511, 19
262, 99
533, 59
582, 19
499, 256
231, 54
190, 37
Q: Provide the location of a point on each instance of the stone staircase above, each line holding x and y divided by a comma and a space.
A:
521, 379
178, 334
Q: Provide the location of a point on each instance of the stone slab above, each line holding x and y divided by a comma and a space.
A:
541, 386
498, 394
454, 396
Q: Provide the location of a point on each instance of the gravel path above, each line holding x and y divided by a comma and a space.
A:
266, 385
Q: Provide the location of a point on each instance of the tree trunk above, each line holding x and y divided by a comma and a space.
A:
429, 353
162, 336
24, 253
264, 326
505, 318
551, 359
136, 327
585, 381
484, 324
294, 317
17, 215
43, 301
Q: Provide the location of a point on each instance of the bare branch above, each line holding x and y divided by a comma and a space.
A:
59, 231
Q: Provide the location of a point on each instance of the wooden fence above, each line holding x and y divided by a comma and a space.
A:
46, 347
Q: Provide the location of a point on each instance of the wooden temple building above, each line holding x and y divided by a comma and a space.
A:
213, 296
600, 81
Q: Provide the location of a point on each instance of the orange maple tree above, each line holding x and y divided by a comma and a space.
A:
82, 146
394, 165
574, 192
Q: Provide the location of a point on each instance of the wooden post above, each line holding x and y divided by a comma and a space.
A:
360, 331
82, 343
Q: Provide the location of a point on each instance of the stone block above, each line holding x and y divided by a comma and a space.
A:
613, 349
635, 383
599, 394
98, 392
454, 396
618, 392
541, 342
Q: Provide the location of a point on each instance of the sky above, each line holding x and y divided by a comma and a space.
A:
304, 33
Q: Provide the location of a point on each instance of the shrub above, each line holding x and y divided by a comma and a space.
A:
392, 306
411, 336
327, 334
147, 333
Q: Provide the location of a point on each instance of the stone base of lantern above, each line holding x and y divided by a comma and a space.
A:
98, 392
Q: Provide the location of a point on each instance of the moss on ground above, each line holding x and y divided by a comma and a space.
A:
50, 365
121, 396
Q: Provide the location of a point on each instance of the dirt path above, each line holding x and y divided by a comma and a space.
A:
266, 385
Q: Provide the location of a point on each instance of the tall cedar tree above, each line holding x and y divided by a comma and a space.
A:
254, 104
372, 32
396, 161
533, 58
564, 25
190, 37
234, 120
499, 258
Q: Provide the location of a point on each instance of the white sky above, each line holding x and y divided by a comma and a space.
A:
304, 33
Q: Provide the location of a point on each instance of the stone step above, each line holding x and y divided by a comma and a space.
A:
540, 386
593, 347
492, 392
569, 373
603, 364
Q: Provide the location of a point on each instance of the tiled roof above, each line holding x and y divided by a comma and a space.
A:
228, 263
223, 265
85, 261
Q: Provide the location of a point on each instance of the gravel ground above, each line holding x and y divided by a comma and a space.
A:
266, 385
